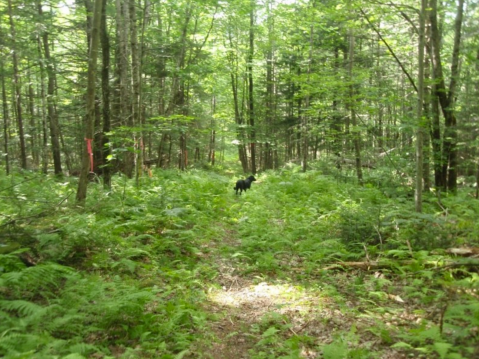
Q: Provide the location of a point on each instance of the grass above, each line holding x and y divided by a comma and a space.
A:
180, 267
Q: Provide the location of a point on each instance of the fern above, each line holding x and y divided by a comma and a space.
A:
22, 307
11, 261
32, 278
82, 349
21, 344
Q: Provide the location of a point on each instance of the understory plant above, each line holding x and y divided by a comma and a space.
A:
128, 274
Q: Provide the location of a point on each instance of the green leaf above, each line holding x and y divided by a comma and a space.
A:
442, 348
335, 350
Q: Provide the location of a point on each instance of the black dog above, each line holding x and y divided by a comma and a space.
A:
243, 185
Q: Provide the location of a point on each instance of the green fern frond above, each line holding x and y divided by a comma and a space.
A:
83, 349
22, 307
21, 345
11, 261
74, 356
69, 323
34, 277
135, 253
126, 263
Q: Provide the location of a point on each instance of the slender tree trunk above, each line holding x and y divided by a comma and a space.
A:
335, 126
51, 112
43, 109
420, 103
18, 89
90, 102
477, 93
138, 74
426, 130
105, 87
212, 151
252, 132
270, 89
135, 75
232, 59
352, 101
33, 127
6, 120
305, 115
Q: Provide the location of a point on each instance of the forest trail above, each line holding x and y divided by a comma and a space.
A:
247, 306
260, 314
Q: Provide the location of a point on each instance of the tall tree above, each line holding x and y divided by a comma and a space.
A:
447, 96
352, 108
420, 104
5, 119
51, 109
251, 112
105, 90
87, 156
18, 88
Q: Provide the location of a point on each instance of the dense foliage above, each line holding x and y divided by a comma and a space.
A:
185, 81
180, 267
359, 238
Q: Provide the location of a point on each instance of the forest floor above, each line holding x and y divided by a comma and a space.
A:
184, 268
256, 312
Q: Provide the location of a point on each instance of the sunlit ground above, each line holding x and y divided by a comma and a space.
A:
275, 296
313, 312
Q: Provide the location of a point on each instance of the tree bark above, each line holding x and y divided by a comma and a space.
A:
51, 112
420, 103
6, 120
43, 109
124, 101
251, 113
305, 115
352, 103
18, 89
90, 102
446, 96
232, 59
105, 87
135, 80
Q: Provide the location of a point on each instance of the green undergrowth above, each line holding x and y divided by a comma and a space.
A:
130, 274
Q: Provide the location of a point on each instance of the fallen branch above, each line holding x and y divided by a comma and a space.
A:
374, 265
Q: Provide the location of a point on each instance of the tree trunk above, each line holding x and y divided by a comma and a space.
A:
352, 103
445, 96
212, 146
6, 120
270, 90
305, 115
18, 89
124, 80
90, 103
252, 133
335, 127
105, 87
420, 103
51, 112
33, 127
43, 109
238, 117
135, 75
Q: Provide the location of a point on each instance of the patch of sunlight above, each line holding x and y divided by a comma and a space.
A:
264, 297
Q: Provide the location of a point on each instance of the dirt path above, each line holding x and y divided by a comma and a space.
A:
246, 306
261, 316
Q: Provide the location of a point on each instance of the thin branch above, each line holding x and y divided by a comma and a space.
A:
406, 16
390, 50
